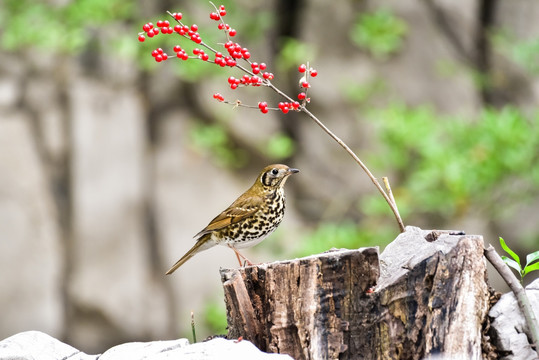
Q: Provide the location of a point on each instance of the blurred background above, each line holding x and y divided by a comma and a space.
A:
110, 162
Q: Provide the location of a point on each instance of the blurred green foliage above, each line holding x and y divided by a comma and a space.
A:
379, 32
279, 146
215, 317
523, 52
214, 141
62, 28
446, 165
294, 52
347, 235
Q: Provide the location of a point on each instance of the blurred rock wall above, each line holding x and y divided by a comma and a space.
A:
101, 189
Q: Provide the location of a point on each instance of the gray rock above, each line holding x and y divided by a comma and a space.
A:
508, 324
30, 247
37, 345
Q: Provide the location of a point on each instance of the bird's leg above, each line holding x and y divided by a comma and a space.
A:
240, 256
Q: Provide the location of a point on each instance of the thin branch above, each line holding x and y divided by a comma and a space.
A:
391, 203
520, 294
390, 193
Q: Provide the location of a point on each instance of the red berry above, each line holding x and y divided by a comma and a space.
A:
222, 7
155, 31
159, 23
295, 105
301, 96
285, 109
146, 27
234, 86
264, 110
159, 58
222, 12
214, 16
262, 104
314, 73
262, 66
151, 34
141, 38
177, 48
196, 38
165, 56
204, 57
305, 84
177, 16
218, 97
166, 23
221, 26
302, 68
232, 32
155, 53
194, 27
218, 54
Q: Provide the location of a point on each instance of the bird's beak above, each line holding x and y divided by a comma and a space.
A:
292, 171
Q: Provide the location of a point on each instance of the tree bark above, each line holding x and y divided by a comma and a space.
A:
431, 298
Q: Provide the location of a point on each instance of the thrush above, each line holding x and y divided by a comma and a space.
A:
249, 219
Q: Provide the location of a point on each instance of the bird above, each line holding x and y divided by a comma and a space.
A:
248, 220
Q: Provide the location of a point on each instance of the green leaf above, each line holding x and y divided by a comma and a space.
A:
511, 263
510, 252
530, 268
534, 256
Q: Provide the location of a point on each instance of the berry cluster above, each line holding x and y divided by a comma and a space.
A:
217, 15
244, 80
255, 76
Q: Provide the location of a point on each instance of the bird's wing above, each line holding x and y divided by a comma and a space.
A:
241, 209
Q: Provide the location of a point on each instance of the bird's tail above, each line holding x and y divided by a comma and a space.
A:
201, 244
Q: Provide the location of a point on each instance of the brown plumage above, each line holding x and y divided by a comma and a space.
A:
250, 219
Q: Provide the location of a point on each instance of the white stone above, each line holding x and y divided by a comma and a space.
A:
32, 345
508, 323
37, 345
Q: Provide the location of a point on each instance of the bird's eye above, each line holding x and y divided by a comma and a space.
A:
274, 171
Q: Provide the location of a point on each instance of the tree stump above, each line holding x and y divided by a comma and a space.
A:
431, 297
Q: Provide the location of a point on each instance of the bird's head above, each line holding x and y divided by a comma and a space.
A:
274, 176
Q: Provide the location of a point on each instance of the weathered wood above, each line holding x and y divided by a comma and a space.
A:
308, 308
431, 298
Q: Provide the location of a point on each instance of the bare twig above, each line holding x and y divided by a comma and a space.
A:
390, 194
520, 294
